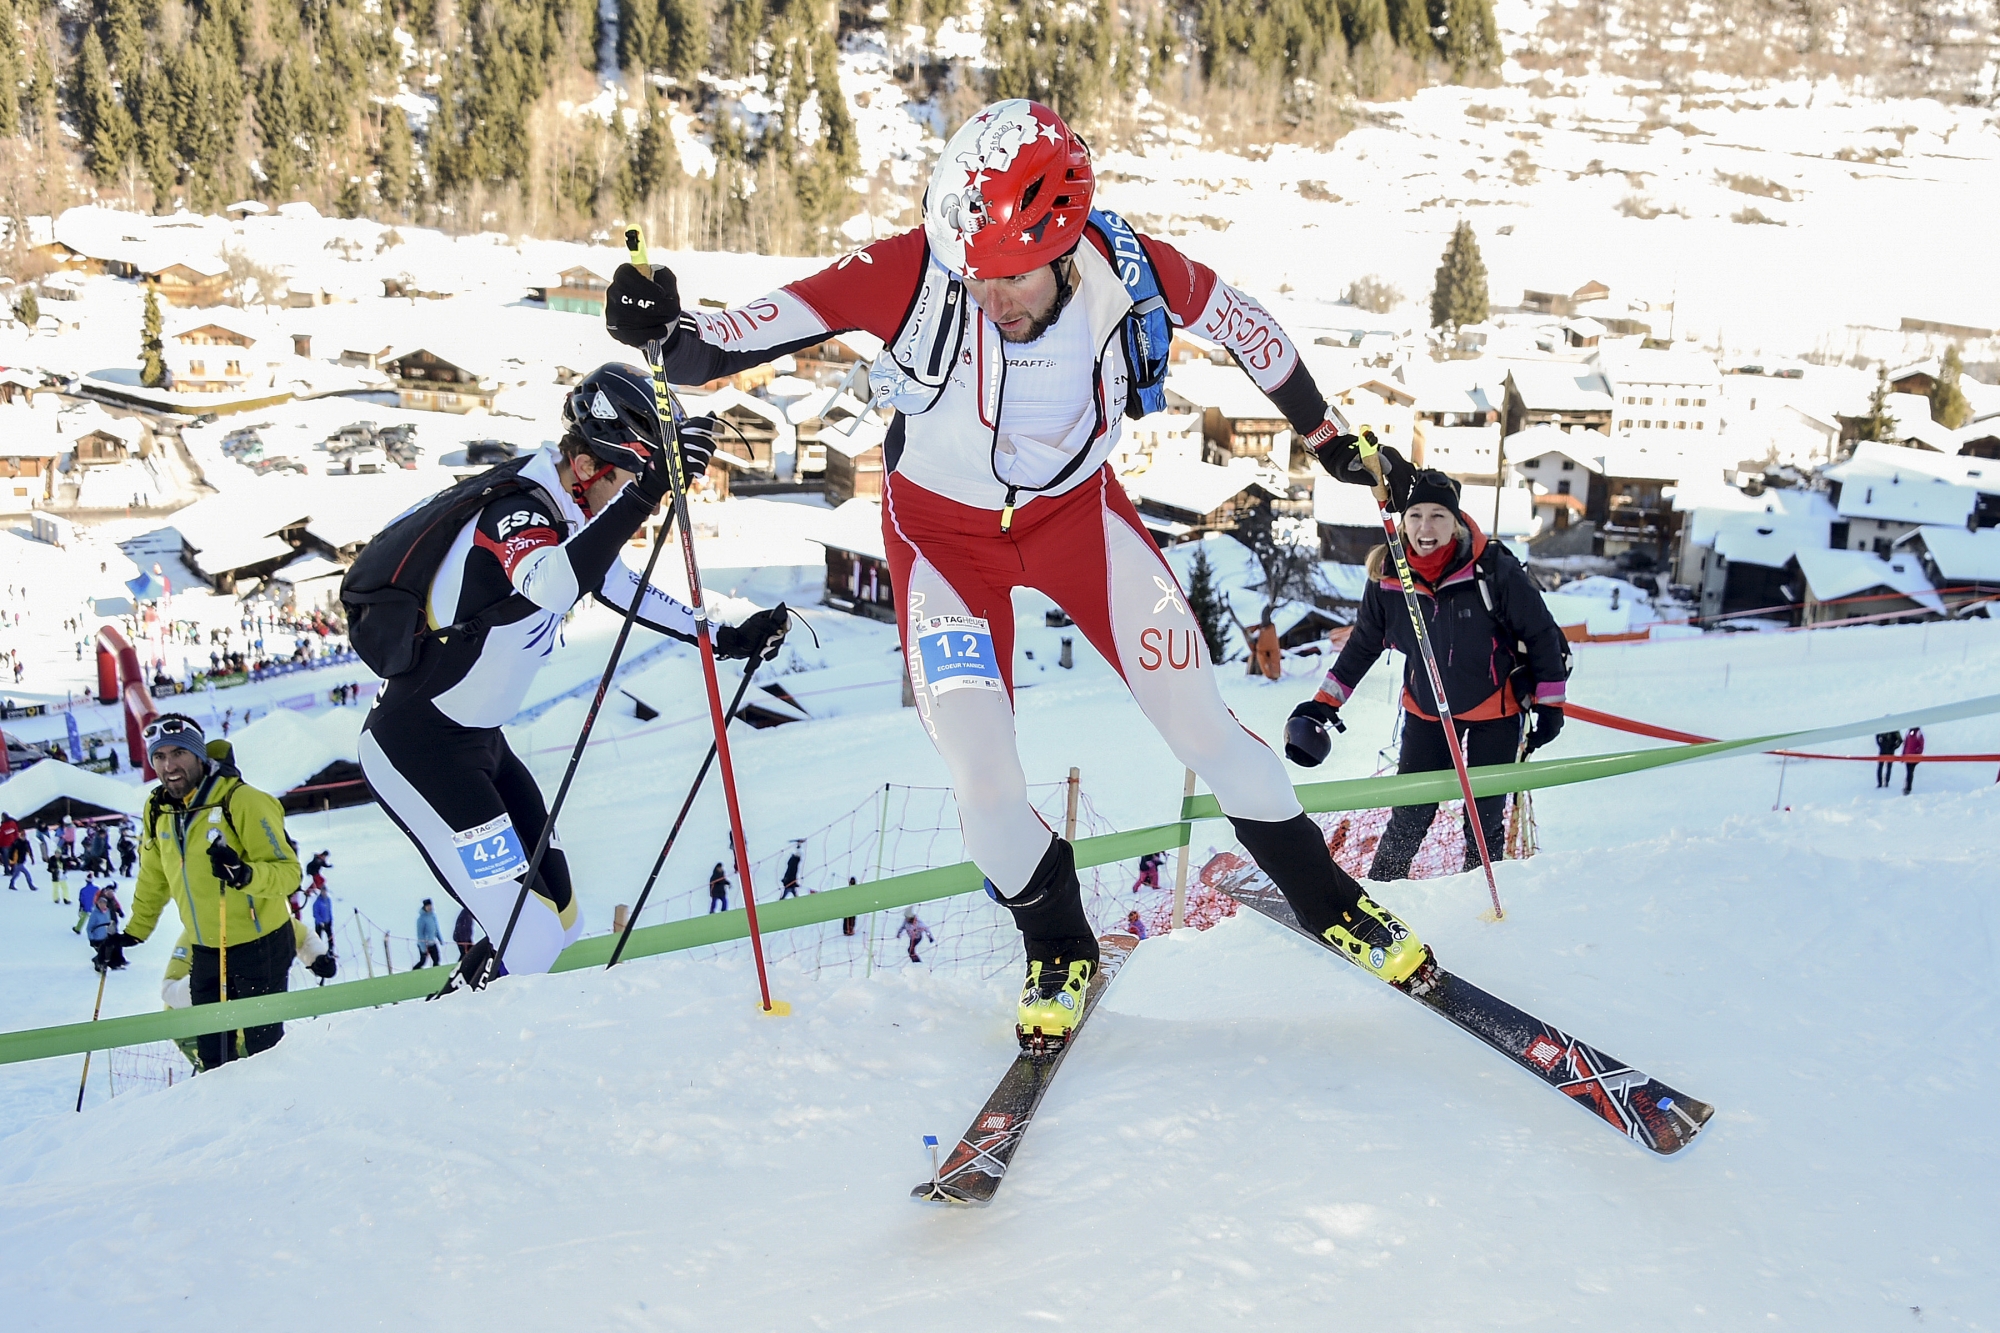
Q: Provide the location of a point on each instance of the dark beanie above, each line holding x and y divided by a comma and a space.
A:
1431, 486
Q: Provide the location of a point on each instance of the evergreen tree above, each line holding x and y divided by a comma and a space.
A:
1879, 424
107, 128
152, 364
638, 21
1205, 602
1948, 405
1409, 26
1460, 298
396, 160
125, 41
147, 93
10, 73
1471, 38
28, 309
42, 93
686, 29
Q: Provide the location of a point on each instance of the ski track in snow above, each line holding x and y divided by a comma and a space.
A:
1248, 1132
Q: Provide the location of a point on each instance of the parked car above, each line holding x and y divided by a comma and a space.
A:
485, 453
354, 462
263, 467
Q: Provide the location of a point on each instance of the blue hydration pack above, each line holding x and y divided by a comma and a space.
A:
1149, 333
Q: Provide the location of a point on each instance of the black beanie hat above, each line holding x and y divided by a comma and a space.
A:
1431, 486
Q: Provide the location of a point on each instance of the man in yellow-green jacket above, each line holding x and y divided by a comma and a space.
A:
216, 846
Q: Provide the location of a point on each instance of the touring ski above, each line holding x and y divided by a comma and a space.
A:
1629, 1100
971, 1174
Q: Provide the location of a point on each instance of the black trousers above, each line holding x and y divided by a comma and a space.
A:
435, 778
261, 967
427, 955
1909, 776
1885, 773
1495, 741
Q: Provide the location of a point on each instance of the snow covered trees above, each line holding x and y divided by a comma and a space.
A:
1459, 298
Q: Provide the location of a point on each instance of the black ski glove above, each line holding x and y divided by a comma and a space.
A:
1306, 741
639, 310
122, 941
324, 967
228, 866
697, 435
760, 636
1341, 457
1548, 725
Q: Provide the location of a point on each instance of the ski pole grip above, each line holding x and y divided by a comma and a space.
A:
1372, 460
635, 249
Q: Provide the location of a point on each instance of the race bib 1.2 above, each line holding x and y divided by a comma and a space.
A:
957, 654
490, 853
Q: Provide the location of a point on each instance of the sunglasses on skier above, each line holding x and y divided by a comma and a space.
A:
169, 727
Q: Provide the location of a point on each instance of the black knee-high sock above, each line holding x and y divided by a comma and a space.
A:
1293, 853
1049, 909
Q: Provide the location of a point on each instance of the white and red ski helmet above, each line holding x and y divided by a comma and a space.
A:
1010, 193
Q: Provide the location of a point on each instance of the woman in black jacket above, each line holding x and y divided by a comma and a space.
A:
1491, 633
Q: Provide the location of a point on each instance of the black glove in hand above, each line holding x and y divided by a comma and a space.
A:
1548, 725
697, 445
123, 941
228, 866
697, 436
1341, 457
639, 310
1306, 741
760, 636
323, 967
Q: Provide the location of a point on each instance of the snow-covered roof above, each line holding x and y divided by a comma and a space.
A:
308, 567
1225, 388
1880, 458
1960, 556
1231, 563
283, 748
147, 243
1623, 365
1835, 574
856, 526
1559, 386
250, 511
1807, 515
51, 779
1453, 386
1340, 504
1189, 485
1579, 446
1902, 495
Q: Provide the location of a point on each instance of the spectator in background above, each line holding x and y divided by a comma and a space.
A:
317, 867
790, 883
128, 852
84, 898
916, 930
59, 888
10, 836
323, 915
429, 937
1913, 745
1266, 657
1133, 925
105, 912
847, 922
1149, 871
1886, 745
718, 889
461, 931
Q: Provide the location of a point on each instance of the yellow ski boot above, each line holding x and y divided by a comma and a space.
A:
1052, 1004
1370, 937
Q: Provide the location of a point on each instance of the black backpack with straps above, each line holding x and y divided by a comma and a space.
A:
385, 589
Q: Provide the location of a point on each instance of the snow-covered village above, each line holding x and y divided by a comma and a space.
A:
983, 664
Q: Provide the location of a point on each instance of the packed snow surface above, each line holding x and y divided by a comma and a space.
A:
1248, 1133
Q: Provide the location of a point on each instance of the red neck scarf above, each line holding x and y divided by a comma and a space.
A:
1446, 558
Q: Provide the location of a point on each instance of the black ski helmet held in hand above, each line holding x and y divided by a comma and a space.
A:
613, 411
1306, 742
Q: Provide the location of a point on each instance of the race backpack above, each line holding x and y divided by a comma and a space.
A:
385, 589
1149, 333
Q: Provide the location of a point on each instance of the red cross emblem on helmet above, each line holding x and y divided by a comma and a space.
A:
1010, 193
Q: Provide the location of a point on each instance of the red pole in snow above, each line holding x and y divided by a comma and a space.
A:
635, 246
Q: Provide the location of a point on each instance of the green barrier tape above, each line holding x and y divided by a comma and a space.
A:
928, 885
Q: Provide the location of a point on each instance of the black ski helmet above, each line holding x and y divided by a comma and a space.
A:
1306, 742
613, 411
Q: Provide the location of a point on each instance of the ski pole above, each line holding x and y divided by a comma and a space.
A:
749, 670
222, 951
673, 445
95, 1009
635, 245
1373, 462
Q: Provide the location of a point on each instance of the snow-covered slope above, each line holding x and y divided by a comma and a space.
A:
1250, 1132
